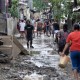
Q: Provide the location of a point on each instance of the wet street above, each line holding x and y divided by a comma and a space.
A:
22, 20
41, 63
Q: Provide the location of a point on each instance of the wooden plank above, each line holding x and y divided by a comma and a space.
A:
19, 45
15, 51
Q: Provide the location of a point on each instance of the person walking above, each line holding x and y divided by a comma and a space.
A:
39, 28
62, 36
18, 26
33, 23
44, 28
22, 26
73, 40
29, 29
56, 30
48, 28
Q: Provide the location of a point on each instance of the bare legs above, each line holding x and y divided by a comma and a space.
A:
76, 75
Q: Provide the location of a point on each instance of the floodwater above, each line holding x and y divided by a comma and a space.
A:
41, 64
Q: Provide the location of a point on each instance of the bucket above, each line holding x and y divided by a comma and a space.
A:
63, 61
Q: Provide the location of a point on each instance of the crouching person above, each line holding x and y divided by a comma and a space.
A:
29, 34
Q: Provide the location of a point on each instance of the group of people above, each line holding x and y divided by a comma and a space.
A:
48, 27
43, 27
26, 29
68, 42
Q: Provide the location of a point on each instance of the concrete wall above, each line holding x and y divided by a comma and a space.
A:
12, 26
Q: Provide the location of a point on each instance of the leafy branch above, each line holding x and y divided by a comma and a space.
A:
14, 8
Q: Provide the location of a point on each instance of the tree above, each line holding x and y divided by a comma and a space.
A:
39, 4
57, 9
63, 9
14, 8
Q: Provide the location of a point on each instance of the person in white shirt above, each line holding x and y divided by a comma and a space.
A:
22, 26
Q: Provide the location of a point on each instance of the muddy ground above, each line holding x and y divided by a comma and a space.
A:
43, 60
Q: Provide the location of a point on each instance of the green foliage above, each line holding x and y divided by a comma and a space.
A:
39, 4
14, 10
76, 16
59, 11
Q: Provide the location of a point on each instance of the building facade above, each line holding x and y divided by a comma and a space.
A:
29, 3
24, 8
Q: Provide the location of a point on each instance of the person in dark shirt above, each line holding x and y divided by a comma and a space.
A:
56, 30
48, 28
29, 33
56, 26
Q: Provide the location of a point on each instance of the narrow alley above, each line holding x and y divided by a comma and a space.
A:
42, 62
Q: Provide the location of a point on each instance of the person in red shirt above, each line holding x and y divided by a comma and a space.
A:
73, 40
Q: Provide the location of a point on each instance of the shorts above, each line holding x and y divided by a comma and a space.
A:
29, 37
75, 59
21, 31
56, 31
